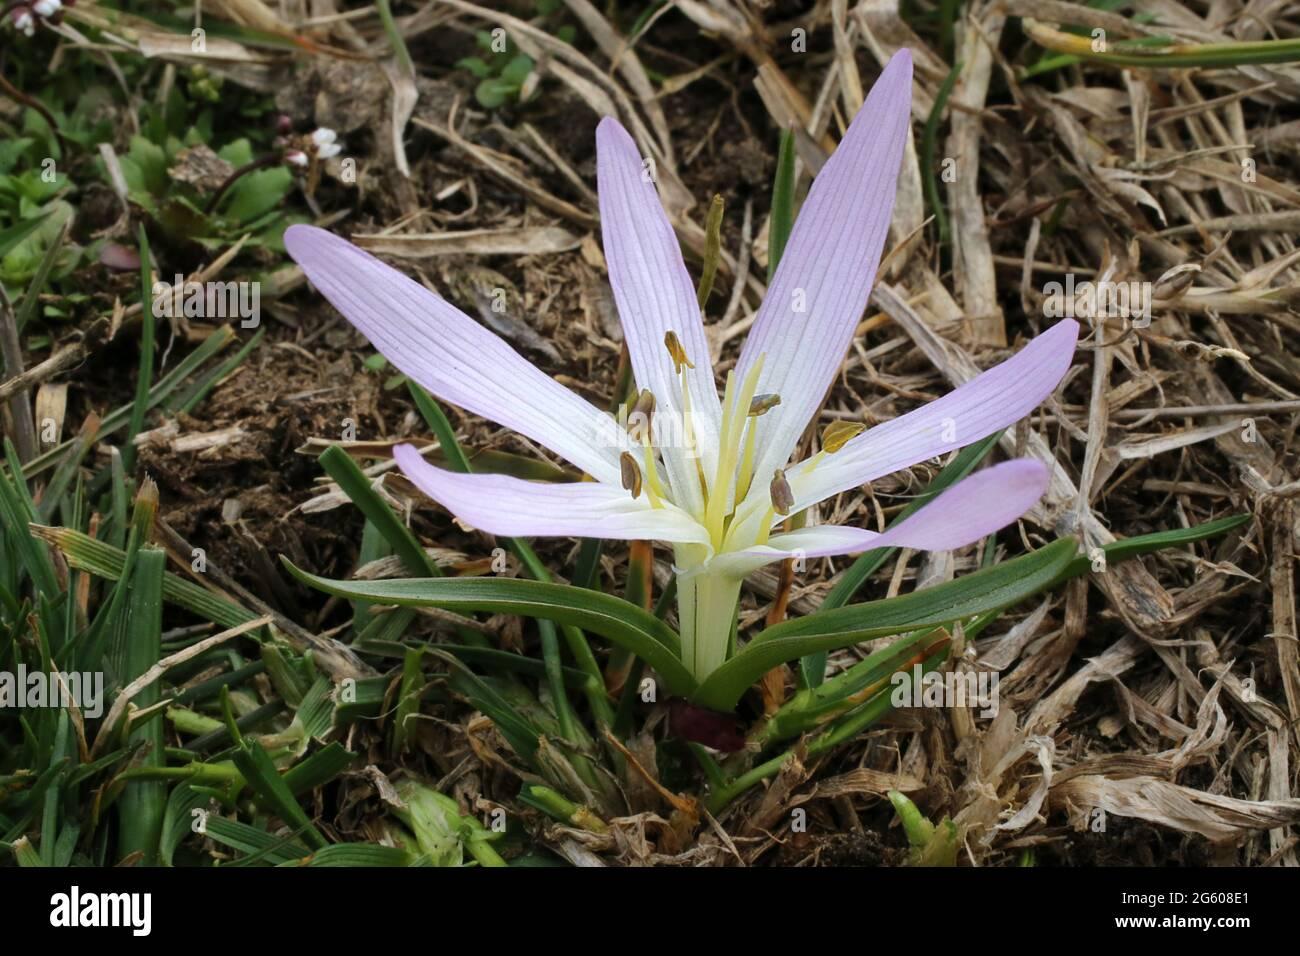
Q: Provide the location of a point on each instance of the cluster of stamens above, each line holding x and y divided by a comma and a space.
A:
741, 407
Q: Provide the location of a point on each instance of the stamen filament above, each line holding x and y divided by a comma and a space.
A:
746, 476
713, 510
688, 433
654, 487
722, 498
759, 406
681, 362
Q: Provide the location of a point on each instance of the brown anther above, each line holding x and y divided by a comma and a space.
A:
674, 346
782, 496
837, 435
645, 404
640, 417
631, 474
762, 404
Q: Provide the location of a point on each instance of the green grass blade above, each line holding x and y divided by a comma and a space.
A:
16, 512
318, 769
783, 203
1146, 543
1167, 53
782, 218
248, 839
105, 561
256, 766
179, 820
356, 485
929, 139
140, 407
143, 803
355, 854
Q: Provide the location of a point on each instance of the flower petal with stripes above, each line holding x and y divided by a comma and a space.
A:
987, 403
977, 506
820, 289
450, 354
501, 504
655, 295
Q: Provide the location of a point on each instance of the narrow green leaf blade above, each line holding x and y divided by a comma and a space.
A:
1000, 586
1146, 543
613, 618
143, 803
256, 766
354, 483
782, 220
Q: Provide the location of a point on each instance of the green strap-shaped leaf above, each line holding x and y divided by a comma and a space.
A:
1000, 586
782, 221
613, 618
1127, 548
